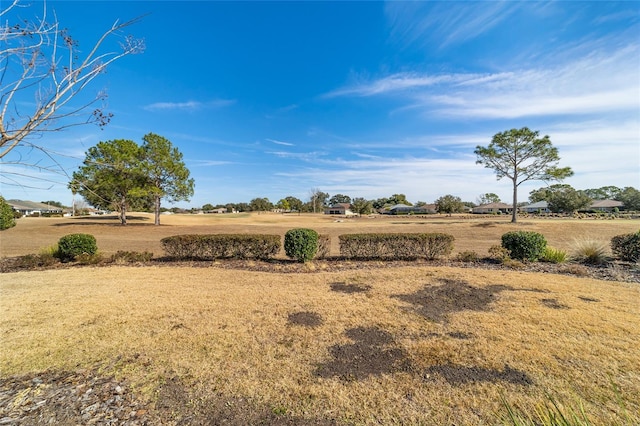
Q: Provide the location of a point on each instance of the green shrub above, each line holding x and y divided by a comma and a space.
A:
626, 247
33, 261
7, 217
524, 245
590, 252
301, 244
218, 246
553, 255
395, 246
73, 245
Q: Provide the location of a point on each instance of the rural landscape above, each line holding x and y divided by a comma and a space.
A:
148, 290
328, 341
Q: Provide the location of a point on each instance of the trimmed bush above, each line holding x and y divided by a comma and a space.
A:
524, 245
395, 246
626, 247
219, 246
301, 244
324, 247
73, 245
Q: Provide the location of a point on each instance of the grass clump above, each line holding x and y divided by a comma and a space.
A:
549, 413
552, 255
468, 256
524, 245
301, 244
498, 253
73, 245
590, 252
124, 257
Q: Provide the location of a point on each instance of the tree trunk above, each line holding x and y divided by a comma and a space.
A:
515, 202
156, 203
123, 211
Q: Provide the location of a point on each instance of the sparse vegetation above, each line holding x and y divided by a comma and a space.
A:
468, 256
590, 251
553, 255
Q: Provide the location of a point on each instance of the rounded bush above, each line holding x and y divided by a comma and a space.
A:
73, 245
626, 247
524, 245
301, 244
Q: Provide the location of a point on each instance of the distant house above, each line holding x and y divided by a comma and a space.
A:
606, 205
30, 208
493, 208
341, 209
539, 207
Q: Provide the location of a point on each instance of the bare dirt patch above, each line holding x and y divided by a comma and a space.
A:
437, 302
373, 353
307, 319
553, 304
342, 287
457, 375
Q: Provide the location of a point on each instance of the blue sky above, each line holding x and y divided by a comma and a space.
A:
368, 99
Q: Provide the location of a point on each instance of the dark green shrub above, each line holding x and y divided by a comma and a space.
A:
626, 247
7, 217
219, 246
301, 244
73, 245
524, 245
395, 246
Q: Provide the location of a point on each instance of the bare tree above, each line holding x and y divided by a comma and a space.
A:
43, 69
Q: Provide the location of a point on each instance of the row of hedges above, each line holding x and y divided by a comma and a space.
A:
220, 246
395, 246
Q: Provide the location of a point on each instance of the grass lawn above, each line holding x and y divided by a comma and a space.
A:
405, 345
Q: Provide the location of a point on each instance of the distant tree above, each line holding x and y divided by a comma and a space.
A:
380, 203
283, 204
488, 198
7, 218
208, 207
630, 197
166, 172
398, 199
339, 199
545, 193
603, 193
43, 70
261, 205
520, 155
568, 200
295, 204
317, 200
361, 206
469, 204
111, 176
449, 204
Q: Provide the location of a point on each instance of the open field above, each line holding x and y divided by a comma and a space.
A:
476, 233
408, 345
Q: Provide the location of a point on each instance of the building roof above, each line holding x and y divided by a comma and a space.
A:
494, 206
602, 204
539, 205
31, 205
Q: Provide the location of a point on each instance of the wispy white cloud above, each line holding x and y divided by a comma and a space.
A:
446, 23
188, 105
277, 142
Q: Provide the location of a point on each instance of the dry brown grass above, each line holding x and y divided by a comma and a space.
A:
226, 332
471, 232
229, 332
